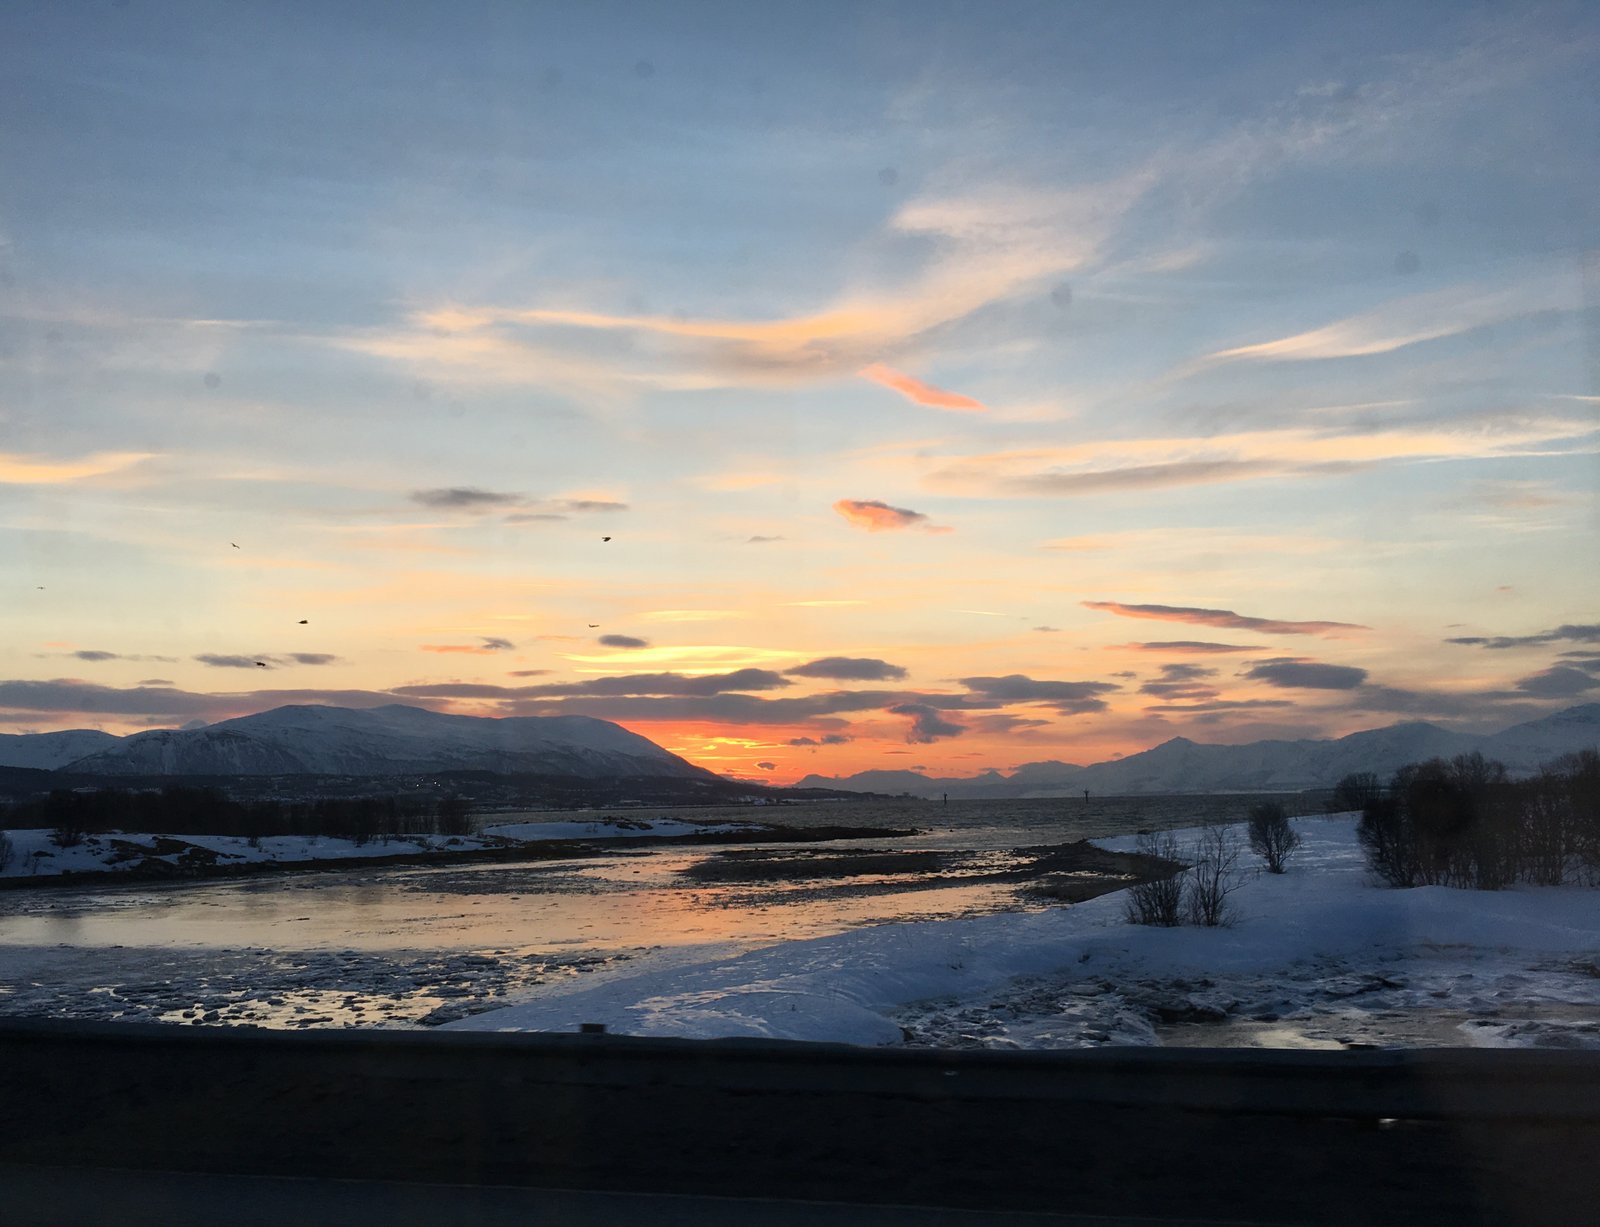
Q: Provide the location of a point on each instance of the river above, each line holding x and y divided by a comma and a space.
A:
407, 944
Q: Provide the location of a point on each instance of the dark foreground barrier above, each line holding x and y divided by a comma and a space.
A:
1456, 1136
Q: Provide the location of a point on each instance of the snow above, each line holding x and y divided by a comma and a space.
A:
1321, 933
47, 751
35, 855
1184, 766
391, 739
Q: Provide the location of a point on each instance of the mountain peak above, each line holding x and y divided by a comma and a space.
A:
395, 739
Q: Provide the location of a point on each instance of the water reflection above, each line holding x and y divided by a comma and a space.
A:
609, 903
617, 900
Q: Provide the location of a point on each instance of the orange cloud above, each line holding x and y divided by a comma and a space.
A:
488, 647
27, 471
920, 393
1186, 647
877, 517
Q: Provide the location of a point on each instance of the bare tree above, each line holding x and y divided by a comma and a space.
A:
454, 815
1160, 900
1355, 792
1271, 836
1213, 877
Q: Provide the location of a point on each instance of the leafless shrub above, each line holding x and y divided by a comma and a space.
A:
1159, 901
1271, 836
1213, 877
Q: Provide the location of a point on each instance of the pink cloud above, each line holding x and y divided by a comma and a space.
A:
877, 517
920, 393
1222, 617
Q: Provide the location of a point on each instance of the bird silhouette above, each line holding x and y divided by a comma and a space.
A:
304, 621
594, 626
261, 664
235, 544
605, 538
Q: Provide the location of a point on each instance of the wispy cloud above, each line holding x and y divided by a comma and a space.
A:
849, 668
96, 655
18, 470
622, 641
692, 615
86, 698
1301, 674
1587, 632
670, 684
1182, 681
1409, 321
1112, 466
265, 660
877, 517
1222, 617
521, 508
1068, 698
221, 661
983, 247
1187, 647
487, 646
467, 498
920, 393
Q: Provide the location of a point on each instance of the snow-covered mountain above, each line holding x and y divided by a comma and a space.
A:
51, 750
1181, 765
391, 740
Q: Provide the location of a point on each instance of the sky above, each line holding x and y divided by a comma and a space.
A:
810, 388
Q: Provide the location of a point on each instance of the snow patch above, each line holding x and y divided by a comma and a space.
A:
1297, 933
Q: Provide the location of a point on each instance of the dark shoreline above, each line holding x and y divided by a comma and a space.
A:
150, 871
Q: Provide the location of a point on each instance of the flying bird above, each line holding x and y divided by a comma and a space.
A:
261, 664
605, 538
304, 621
235, 544
594, 625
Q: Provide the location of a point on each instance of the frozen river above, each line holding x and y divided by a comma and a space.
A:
408, 943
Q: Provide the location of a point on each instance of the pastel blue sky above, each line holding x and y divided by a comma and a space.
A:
957, 338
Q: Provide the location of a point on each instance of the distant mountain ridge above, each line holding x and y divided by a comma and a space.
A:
48, 751
391, 740
1181, 765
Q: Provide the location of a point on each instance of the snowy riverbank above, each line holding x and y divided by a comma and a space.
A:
35, 853
1319, 956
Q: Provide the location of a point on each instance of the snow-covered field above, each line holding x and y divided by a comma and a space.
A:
34, 854
1318, 956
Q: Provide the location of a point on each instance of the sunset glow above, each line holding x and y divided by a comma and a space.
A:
903, 389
